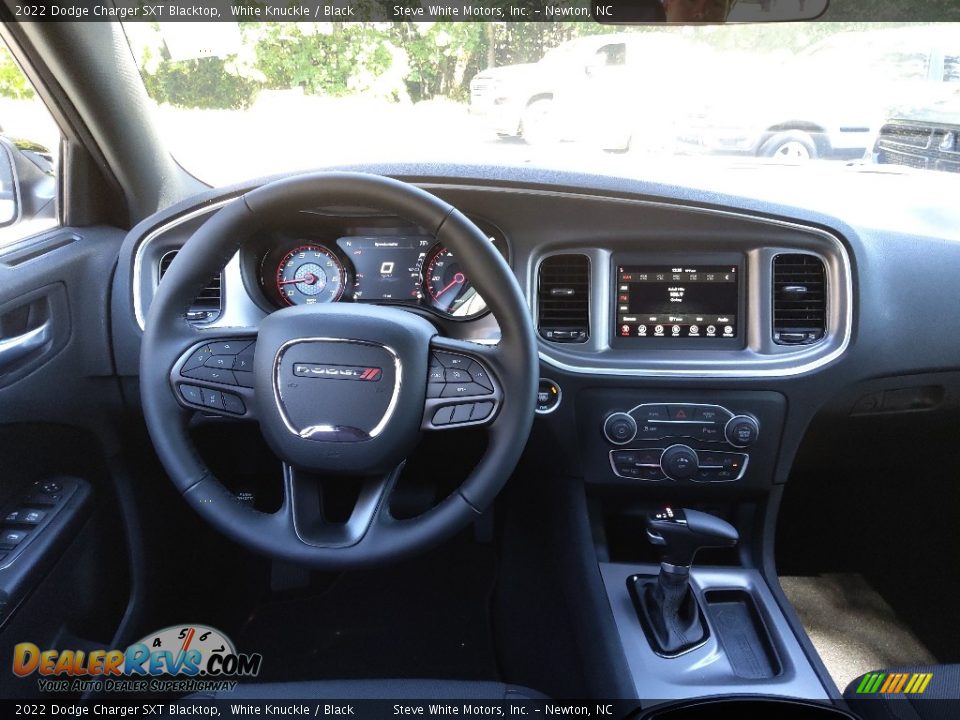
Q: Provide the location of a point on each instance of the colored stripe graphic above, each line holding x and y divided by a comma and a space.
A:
894, 683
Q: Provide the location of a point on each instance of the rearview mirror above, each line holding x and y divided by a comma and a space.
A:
776, 10
707, 11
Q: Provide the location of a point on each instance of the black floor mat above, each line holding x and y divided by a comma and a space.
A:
424, 619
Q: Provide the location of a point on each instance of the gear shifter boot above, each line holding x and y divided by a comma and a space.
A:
669, 612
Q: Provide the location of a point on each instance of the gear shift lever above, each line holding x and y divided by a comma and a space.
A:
667, 606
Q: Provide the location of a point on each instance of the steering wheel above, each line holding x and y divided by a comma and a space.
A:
341, 389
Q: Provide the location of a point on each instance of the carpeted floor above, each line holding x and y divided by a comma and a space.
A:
852, 627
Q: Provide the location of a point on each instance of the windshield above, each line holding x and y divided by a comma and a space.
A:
241, 100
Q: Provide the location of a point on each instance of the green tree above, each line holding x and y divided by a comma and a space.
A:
321, 58
12, 82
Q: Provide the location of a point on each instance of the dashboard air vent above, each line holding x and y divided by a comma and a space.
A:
799, 299
563, 298
207, 306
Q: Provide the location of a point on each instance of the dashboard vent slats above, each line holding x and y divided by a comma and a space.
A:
799, 299
208, 305
563, 298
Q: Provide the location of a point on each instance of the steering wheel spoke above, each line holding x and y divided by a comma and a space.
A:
215, 375
462, 389
321, 519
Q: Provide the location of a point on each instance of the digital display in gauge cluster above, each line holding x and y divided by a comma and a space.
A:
386, 267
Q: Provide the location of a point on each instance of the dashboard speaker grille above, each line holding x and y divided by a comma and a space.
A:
799, 299
208, 305
563, 298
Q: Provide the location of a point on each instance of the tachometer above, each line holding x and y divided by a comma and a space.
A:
448, 289
310, 274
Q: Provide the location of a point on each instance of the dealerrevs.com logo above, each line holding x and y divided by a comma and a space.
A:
180, 658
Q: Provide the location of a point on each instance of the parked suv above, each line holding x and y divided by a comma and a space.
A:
927, 138
829, 101
604, 88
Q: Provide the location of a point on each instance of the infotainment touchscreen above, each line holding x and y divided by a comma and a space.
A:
683, 301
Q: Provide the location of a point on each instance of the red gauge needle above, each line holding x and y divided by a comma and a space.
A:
458, 279
309, 279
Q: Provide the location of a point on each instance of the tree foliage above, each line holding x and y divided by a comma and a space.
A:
411, 61
12, 82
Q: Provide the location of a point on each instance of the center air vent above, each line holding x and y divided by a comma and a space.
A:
563, 298
799, 299
207, 306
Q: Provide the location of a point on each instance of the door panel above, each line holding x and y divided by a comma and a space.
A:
61, 531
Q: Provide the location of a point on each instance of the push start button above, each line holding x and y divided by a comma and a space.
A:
548, 396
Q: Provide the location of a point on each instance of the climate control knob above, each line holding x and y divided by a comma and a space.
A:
679, 462
620, 428
742, 431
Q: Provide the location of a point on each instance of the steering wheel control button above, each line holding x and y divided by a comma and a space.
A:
197, 359
480, 376
620, 428
229, 347
437, 374
233, 404
742, 431
548, 397
443, 416
191, 394
243, 362
457, 376
453, 362
461, 413
208, 374
481, 411
463, 389
212, 399
223, 362
679, 462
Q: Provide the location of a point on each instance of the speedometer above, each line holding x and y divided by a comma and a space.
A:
310, 274
448, 288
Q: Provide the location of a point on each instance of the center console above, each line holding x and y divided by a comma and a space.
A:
671, 347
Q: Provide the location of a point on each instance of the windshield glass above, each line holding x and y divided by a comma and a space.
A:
240, 100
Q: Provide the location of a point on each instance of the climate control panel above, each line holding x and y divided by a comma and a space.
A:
655, 421
673, 439
689, 440
678, 463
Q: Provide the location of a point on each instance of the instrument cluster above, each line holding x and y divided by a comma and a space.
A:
372, 262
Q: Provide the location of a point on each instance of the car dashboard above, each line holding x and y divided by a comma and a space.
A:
688, 336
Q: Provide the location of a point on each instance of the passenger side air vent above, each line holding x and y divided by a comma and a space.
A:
207, 306
563, 298
799, 299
